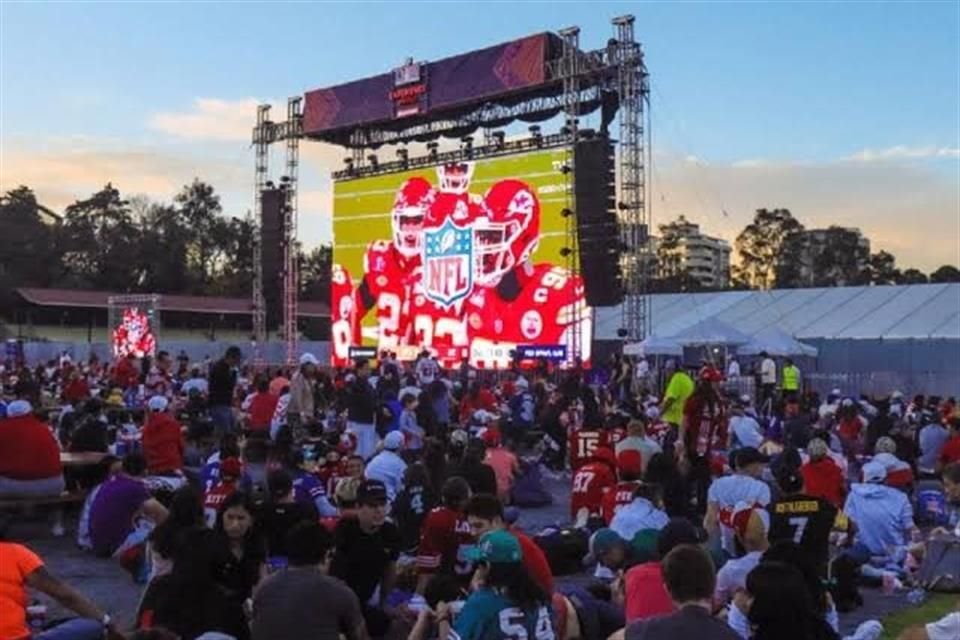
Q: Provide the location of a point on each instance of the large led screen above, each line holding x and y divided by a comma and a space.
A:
462, 259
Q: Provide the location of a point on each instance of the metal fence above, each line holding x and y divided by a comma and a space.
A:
882, 383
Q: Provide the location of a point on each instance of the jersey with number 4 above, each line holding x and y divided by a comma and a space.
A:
487, 615
544, 312
589, 483
444, 543
806, 520
387, 277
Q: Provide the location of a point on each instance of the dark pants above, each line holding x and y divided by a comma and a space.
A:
222, 418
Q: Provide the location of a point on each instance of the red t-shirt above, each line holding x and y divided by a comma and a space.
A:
646, 593
588, 485
617, 496
444, 541
76, 389
850, 429
582, 443
824, 479
484, 400
163, 443
261, 411
215, 497
951, 451
28, 450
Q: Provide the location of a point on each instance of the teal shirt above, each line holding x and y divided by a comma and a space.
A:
487, 615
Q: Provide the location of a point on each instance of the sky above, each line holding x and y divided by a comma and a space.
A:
845, 113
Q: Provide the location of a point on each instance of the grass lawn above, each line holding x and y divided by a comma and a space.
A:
937, 606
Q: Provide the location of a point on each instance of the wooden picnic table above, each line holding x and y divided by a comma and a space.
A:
85, 459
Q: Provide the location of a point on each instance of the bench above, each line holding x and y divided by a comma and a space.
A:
29, 502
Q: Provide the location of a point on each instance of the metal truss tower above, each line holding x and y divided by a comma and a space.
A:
570, 75
291, 266
633, 203
261, 145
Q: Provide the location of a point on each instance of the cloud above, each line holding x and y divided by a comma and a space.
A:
212, 119
911, 210
903, 152
62, 171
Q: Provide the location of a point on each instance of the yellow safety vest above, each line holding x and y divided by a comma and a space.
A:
791, 378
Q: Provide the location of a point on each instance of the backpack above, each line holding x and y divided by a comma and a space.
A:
940, 570
528, 489
564, 549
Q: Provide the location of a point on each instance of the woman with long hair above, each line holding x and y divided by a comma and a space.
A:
778, 605
508, 598
239, 551
186, 511
188, 601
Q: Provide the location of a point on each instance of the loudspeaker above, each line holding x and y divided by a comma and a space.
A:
272, 207
598, 231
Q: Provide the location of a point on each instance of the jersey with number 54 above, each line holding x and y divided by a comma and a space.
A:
545, 311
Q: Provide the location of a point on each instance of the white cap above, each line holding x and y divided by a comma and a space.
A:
393, 441
18, 408
158, 403
521, 383
652, 412
836, 392
896, 395
309, 358
874, 472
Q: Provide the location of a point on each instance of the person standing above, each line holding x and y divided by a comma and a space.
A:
361, 401
768, 382
300, 410
679, 389
791, 379
222, 381
388, 466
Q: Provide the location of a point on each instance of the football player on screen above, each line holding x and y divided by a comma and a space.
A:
434, 326
344, 323
517, 302
389, 266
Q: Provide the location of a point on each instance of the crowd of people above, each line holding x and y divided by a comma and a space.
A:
382, 500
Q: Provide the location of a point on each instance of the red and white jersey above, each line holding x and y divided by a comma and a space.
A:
616, 497
434, 327
387, 278
215, 497
589, 483
583, 443
543, 312
344, 321
444, 542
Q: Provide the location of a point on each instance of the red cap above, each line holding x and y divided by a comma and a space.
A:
491, 437
630, 461
231, 467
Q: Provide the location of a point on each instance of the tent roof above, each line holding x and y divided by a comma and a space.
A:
892, 312
777, 342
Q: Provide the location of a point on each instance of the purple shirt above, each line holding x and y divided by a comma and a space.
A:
113, 510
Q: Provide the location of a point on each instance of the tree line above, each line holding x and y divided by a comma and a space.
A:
136, 245
776, 251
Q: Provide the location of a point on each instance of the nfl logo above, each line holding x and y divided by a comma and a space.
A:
447, 264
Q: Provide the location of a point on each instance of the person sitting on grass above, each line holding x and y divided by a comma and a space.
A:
20, 569
123, 514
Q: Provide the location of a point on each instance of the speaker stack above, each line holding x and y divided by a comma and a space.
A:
598, 231
272, 205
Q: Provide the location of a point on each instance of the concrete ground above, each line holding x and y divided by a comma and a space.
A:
104, 582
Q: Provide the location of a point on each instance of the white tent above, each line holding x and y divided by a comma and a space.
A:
654, 346
711, 332
776, 342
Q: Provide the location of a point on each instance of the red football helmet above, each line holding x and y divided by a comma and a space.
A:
511, 232
407, 216
454, 177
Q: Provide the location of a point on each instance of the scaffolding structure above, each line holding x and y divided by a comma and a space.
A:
632, 202
570, 75
265, 133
